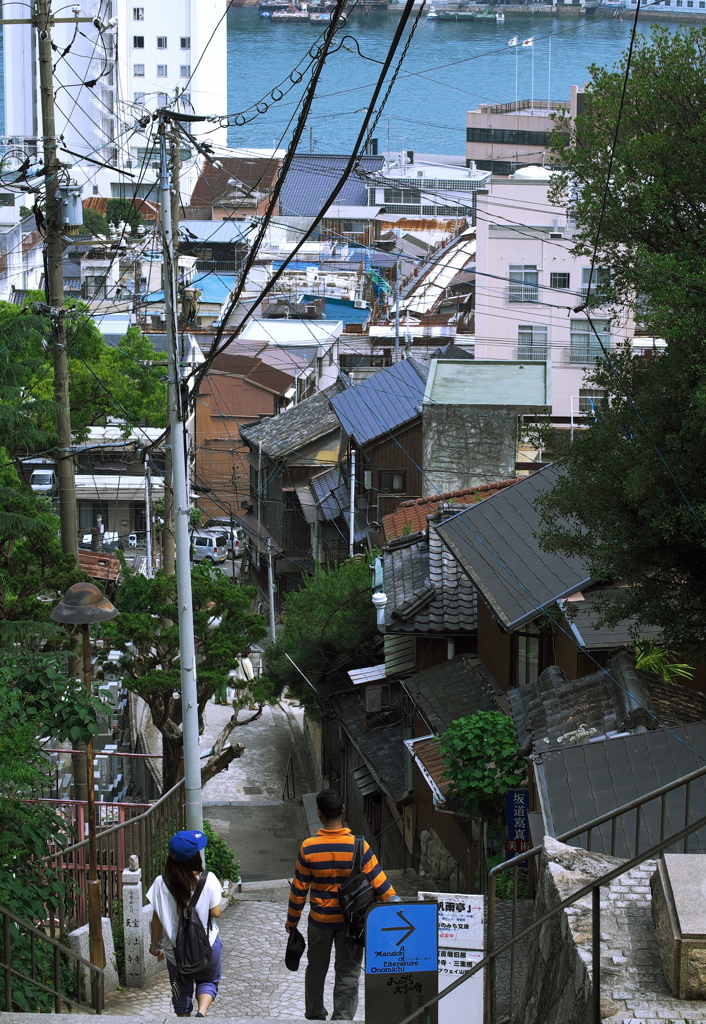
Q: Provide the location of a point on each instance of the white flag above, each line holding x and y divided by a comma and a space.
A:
513, 41
528, 42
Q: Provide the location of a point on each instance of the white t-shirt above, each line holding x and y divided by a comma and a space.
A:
166, 909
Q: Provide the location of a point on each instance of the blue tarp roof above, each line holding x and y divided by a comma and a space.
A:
214, 287
340, 309
386, 400
311, 178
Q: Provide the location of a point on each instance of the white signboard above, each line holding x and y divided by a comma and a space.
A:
460, 948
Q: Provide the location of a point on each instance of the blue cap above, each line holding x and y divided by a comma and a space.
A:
185, 845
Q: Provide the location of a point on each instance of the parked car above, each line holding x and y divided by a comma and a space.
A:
209, 547
44, 481
109, 540
236, 539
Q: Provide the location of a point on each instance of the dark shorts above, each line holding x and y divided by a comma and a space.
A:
183, 988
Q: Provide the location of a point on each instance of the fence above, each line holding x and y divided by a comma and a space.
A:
38, 971
146, 834
622, 832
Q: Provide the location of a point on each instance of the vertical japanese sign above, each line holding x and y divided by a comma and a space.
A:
460, 948
517, 823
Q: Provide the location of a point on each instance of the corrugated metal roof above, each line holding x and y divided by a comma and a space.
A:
585, 781
494, 542
324, 487
400, 654
428, 759
372, 674
386, 400
312, 176
489, 382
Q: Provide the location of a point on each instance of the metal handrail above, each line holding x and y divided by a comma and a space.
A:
585, 829
59, 950
592, 889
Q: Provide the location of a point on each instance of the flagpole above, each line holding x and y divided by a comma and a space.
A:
532, 75
549, 79
517, 100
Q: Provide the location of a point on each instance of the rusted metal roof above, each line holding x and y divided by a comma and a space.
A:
99, 565
425, 751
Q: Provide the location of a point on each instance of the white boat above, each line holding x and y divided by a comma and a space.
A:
431, 13
500, 17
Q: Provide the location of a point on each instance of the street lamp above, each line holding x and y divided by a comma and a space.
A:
82, 605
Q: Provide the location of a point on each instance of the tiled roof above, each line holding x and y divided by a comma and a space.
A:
259, 173
295, 427
312, 176
99, 566
413, 514
584, 781
585, 611
381, 403
427, 591
452, 351
495, 543
380, 746
454, 689
559, 711
254, 369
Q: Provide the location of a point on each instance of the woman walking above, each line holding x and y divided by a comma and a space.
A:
170, 894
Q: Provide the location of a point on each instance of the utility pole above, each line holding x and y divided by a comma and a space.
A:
148, 517
177, 411
351, 526
54, 284
397, 309
168, 528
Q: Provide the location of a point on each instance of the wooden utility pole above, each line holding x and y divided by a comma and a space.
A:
168, 528
54, 283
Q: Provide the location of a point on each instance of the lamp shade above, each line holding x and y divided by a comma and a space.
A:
83, 604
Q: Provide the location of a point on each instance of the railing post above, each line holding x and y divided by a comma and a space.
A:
7, 957
490, 973
596, 934
132, 923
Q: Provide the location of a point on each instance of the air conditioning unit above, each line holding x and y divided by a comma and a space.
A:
360, 304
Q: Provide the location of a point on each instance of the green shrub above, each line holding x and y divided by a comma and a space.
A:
219, 856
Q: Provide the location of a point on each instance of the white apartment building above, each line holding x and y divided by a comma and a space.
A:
135, 59
527, 284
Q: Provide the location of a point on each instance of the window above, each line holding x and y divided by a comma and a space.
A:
138, 42
507, 137
599, 283
161, 71
162, 99
139, 70
138, 14
185, 70
353, 227
560, 280
584, 345
185, 42
402, 195
161, 42
528, 650
532, 342
392, 482
138, 97
524, 281
589, 398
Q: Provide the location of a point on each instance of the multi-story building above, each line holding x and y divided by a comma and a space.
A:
429, 190
530, 287
500, 137
125, 61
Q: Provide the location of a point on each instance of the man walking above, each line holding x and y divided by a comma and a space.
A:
324, 862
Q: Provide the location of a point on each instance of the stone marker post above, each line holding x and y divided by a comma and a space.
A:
132, 921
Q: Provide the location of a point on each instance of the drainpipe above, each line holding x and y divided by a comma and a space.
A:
379, 602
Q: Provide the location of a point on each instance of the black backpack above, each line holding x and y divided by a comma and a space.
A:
355, 897
192, 950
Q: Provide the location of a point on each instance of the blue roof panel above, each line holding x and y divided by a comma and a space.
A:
386, 400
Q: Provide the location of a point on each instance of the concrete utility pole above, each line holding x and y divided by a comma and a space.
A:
54, 284
177, 427
168, 528
148, 517
351, 525
397, 309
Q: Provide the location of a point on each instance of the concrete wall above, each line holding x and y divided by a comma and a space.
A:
465, 446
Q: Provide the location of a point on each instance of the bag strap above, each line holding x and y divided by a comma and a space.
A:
198, 890
357, 854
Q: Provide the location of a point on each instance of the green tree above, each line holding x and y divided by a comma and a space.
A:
632, 500
480, 754
327, 623
94, 222
147, 633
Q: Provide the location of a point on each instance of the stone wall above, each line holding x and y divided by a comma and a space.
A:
438, 862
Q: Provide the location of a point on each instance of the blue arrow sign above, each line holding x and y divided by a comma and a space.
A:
401, 938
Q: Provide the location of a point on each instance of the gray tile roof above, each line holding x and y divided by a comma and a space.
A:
295, 427
379, 745
452, 690
381, 403
584, 615
312, 177
582, 782
560, 712
494, 541
427, 591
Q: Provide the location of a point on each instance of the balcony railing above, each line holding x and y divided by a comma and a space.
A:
584, 355
523, 293
536, 353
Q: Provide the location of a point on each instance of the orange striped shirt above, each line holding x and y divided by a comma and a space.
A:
325, 862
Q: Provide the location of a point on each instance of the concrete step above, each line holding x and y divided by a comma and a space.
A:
80, 1018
